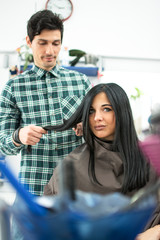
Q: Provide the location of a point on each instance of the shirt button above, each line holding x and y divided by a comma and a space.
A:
50, 96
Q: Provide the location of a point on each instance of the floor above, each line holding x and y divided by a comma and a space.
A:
7, 193
7, 197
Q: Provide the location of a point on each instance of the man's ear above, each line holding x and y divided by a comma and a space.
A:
28, 41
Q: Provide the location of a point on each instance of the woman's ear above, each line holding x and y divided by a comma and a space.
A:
28, 42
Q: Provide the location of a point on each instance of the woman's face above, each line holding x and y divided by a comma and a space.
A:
102, 117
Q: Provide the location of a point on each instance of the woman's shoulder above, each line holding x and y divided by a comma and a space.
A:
78, 152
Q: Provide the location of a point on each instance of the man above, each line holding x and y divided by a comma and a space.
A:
45, 95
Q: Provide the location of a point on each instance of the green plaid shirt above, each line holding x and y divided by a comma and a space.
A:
41, 98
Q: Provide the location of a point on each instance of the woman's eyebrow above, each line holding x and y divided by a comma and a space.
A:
103, 105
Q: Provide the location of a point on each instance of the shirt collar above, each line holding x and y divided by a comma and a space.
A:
40, 72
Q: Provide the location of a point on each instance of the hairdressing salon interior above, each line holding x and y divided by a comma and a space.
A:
119, 41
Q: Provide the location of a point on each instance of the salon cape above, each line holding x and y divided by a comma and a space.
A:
108, 170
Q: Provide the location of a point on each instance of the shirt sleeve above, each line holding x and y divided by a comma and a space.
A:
88, 84
9, 122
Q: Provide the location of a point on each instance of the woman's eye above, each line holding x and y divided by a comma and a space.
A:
107, 109
91, 111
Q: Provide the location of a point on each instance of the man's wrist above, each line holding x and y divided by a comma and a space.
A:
15, 136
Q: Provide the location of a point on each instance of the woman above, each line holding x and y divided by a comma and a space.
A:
110, 159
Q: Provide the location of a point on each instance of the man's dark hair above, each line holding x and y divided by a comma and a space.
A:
42, 20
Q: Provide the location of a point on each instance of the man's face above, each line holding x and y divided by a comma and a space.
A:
45, 48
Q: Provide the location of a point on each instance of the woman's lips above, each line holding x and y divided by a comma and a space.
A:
100, 127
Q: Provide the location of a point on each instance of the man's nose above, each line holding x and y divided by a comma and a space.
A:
49, 49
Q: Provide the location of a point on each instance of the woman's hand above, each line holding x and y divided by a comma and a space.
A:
150, 234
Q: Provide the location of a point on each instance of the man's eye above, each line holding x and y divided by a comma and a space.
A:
42, 43
56, 44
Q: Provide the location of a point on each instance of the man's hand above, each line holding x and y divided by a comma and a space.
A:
31, 135
78, 129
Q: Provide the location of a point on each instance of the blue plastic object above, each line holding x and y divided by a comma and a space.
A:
2, 176
22, 68
89, 71
72, 225
26, 196
69, 222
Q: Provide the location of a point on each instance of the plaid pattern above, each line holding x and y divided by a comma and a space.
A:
41, 98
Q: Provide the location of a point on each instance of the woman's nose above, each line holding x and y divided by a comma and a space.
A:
98, 116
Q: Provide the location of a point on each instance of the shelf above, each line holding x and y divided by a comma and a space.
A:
89, 71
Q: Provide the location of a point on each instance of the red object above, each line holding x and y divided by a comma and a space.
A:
99, 75
151, 149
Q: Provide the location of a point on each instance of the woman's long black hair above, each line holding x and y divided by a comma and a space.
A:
136, 171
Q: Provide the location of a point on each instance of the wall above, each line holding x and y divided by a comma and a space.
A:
13, 20
131, 74
115, 28
105, 27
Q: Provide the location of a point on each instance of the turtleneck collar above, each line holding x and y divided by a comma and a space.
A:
106, 144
